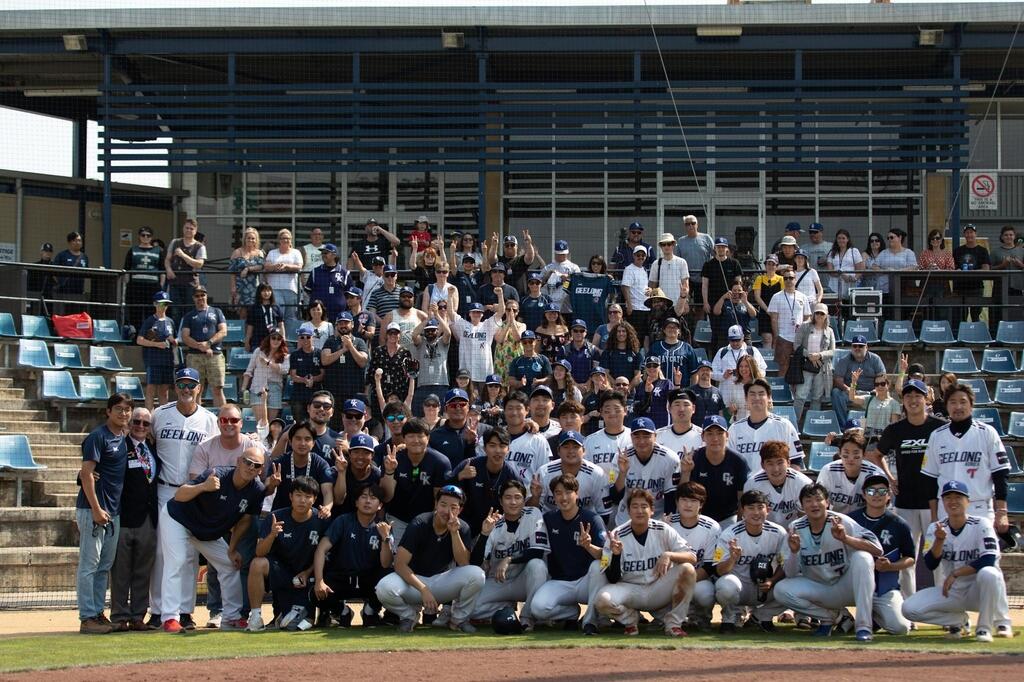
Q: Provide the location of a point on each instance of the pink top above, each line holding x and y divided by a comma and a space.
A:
935, 260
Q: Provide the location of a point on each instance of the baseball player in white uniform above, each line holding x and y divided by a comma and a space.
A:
971, 452
514, 550
753, 540
966, 547
594, 485
746, 436
603, 447
648, 466
780, 483
682, 435
701, 534
649, 567
844, 478
829, 565
178, 428
527, 452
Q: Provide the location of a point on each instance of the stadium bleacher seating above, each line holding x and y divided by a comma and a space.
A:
67, 356
898, 333
132, 385
990, 416
1010, 333
998, 361
782, 394
821, 455
820, 423
981, 395
33, 354
974, 334
238, 359
771, 367
7, 328
1016, 429
937, 333
1015, 498
959, 361
702, 333
93, 387
236, 332
36, 327
866, 328
108, 332
16, 461
230, 390
1010, 392
787, 412
105, 358
1014, 464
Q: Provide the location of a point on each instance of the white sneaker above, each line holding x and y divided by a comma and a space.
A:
255, 621
983, 636
214, 621
290, 620
1004, 631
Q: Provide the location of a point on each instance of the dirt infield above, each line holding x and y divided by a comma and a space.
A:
571, 665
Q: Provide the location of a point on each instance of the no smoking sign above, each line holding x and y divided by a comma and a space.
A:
983, 192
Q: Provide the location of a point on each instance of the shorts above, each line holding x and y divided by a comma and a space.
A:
159, 373
273, 396
210, 368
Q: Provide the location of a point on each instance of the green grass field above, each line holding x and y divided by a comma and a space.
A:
36, 652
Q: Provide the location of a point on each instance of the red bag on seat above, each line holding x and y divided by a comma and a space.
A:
77, 326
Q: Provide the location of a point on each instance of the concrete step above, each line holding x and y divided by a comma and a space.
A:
58, 499
29, 427
21, 404
6, 382
52, 438
60, 487
50, 450
58, 461
12, 393
38, 569
9, 414
38, 527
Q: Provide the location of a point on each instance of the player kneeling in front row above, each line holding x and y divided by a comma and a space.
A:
513, 548
748, 562
284, 559
424, 575
829, 565
577, 538
701, 534
649, 568
967, 549
352, 557
219, 501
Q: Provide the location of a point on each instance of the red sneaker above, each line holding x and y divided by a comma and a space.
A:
172, 626
631, 631
676, 632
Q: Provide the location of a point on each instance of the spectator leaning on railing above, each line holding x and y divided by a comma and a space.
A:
185, 256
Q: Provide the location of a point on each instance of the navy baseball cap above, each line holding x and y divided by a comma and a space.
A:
534, 277
305, 329
735, 333
406, 291
570, 436
561, 246
704, 363
455, 394
563, 363
372, 221
578, 323
432, 399
161, 297
353, 405
361, 441
511, 239
552, 308
721, 241
476, 307
793, 227
955, 487
431, 324
355, 292
672, 320
915, 385
499, 267
636, 227
815, 227
598, 369
800, 252
542, 389
713, 421
652, 361
378, 260
859, 341
186, 374
329, 248
390, 268
493, 379
528, 335
343, 315
642, 424
469, 258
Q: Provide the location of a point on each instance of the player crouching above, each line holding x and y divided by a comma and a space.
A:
424, 574
284, 559
700, 533
649, 568
967, 549
513, 554
829, 565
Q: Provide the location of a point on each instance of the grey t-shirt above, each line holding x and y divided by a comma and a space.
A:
696, 251
872, 366
1001, 253
433, 361
817, 253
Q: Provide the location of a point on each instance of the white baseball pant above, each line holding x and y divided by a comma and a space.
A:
460, 586
164, 493
559, 600
731, 592
624, 601
984, 592
824, 600
918, 520
887, 610
520, 585
177, 543
703, 601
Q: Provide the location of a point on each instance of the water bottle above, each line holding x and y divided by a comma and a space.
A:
245, 397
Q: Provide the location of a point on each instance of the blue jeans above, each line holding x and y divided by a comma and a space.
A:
96, 550
288, 300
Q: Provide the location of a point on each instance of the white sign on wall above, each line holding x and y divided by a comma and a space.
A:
7, 254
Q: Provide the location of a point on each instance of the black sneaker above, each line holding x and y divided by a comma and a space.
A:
323, 618
390, 618
572, 625
727, 629
429, 618
590, 630
372, 620
154, 622
345, 619
187, 623
766, 625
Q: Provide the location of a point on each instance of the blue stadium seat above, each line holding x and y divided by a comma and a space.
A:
959, 361
782, 394
1016, 429
1010, 392
1015, 498
34, 354
990, 416
998, 361
16, 461
937, 333
68, 356
838, 354
7, 325
236, 332
238, 359
108, 331
130, 384
230, 390
93, 387
1010, 333
820, 423
866, 328
1014, 464
974, 334
833, 321
854, 414
248, 420
898, 332
702, 354
105, 358
59, 385
36, 327
291, 329
771, 367
981, 395
702, 334
788, 412
821, 455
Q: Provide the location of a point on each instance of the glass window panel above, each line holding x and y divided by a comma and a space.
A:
901, 212
1013, 150
218, 193
417, 192
318, 193
851, 214
982, 138
269, 193
582, 225
368, 192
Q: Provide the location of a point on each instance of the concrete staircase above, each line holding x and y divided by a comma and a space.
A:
39, 540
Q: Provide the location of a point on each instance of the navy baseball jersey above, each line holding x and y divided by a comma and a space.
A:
483, 490
724, 482
588, 296
431, 552
212, 514
294, 546
567, 560
529, 369
414, 485
355, 548
893, 533
316, 467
